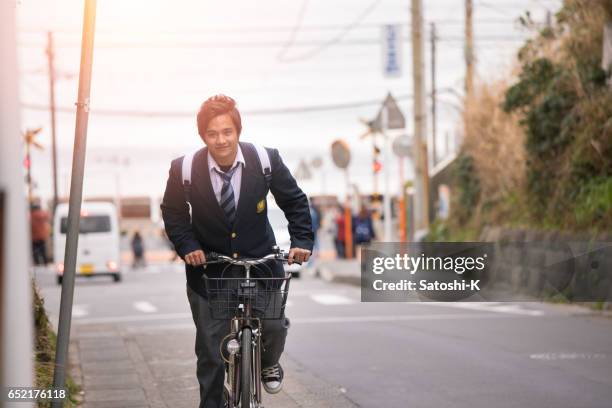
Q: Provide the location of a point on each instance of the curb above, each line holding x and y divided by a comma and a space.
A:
325, 273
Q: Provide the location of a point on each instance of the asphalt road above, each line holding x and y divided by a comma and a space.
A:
386, 354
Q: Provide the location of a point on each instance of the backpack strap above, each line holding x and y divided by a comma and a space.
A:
186, 177
264, 162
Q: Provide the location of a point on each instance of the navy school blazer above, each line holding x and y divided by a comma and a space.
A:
251, 235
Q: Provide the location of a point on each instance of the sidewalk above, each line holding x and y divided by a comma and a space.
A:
137, 367
338, 271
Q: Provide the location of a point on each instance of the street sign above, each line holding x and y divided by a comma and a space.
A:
395, 117
303, 172
341, 154
402, 146
316, 162
392, 50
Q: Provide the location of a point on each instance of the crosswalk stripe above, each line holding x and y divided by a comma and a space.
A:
79, 310
144, 306
495, 307
331, 299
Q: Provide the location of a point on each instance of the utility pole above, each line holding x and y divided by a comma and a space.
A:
433, 40
387, 160
76, 195
50, 57
16, 325
421, 173
469, 49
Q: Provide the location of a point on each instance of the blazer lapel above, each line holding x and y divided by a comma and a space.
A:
202, 174
249, 179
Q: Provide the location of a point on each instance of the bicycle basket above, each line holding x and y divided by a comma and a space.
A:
267, 297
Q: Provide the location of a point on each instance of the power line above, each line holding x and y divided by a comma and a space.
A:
35, 88
251, 44
299, 20
211, 44
336, 39
179, 114
492, 7
253, 112
271, 29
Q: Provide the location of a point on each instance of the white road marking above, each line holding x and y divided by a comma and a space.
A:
517, 309
566, 356
331, 299
332, 320
489, 307
386, 318
308, 293
80, 310
144, 306
305, 320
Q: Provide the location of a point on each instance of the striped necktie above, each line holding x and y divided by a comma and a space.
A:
227, 194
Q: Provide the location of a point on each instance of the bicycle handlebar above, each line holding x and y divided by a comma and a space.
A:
213, 258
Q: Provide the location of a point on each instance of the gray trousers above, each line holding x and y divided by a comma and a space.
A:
209, 333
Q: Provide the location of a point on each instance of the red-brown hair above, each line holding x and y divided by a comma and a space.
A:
215, 106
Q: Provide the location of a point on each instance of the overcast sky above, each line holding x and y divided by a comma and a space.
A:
165, 57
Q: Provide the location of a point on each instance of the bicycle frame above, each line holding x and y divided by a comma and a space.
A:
238, 323
244, 319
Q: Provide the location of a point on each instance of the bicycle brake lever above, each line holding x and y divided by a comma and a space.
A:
285, 256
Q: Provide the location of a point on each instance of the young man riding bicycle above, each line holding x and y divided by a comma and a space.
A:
226, 187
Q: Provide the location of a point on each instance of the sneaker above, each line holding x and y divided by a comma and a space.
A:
272, 378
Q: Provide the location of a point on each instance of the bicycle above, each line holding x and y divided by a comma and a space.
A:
246, 301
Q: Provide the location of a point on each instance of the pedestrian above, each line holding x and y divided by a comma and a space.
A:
229, 216
315, 216
340, 238
40, 229
363, 228
138, 251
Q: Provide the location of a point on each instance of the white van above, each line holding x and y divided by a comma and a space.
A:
98, 249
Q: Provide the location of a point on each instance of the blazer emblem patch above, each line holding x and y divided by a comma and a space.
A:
261, 206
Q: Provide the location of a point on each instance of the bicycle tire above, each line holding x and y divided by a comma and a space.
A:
245, 368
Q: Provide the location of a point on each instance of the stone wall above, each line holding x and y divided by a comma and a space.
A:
548, 264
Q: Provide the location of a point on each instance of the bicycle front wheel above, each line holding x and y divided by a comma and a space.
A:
246, 357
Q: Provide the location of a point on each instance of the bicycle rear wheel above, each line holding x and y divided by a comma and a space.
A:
245, 368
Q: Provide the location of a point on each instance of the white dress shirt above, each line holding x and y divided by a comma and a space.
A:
217, 181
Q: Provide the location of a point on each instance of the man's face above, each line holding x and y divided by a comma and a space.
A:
221, 137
